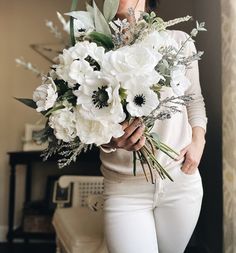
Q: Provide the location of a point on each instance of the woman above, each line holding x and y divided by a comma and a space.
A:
141, 217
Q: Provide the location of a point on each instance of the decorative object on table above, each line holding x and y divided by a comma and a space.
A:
93, 87
62, 196
30, 140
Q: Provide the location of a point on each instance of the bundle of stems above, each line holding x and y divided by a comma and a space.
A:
147, 157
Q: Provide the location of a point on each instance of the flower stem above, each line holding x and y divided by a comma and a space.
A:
134, 162
72, 34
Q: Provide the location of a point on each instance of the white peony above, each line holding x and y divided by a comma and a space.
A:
63, 68
129, 61
98, 98
179, 82
66, 68
158, 40
97, 132
141, 100
45, 95
63, 123
82, 50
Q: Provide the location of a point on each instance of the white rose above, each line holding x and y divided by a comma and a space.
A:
179, 82
45, 95
98, 98
97, 132
129, 61
63, 123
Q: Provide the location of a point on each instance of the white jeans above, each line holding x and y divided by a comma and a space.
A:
141, 217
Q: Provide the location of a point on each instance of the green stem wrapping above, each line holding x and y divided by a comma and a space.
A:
134, 162
72, 34
162, 172
146, 157
140, 159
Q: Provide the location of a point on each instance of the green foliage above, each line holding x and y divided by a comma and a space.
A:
123, 94
101, 24
28, 102
101, 40
59, 107
42, 135
72, 35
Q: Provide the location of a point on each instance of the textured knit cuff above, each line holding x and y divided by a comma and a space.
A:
107, 150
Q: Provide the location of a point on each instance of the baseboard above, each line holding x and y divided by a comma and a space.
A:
3, 233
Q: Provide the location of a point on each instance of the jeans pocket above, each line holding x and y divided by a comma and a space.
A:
195, 174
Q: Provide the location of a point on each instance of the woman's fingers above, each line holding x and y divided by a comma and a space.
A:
139, 144
134, 138
132, 128
189, 165
123, 141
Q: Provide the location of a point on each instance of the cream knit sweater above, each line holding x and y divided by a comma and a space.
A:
175, 132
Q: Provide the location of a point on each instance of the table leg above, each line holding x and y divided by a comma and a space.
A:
11, 207
28, 183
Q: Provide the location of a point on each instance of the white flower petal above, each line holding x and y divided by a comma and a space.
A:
45, 95
63, 123
97, 132
98, 98
141, 100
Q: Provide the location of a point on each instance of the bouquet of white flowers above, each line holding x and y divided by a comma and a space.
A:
114, 71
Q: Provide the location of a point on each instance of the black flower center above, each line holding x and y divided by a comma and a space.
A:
139, 100
100, 97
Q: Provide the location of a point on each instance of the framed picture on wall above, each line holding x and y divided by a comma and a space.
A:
30, 143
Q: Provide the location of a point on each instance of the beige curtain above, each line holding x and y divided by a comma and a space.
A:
229, 122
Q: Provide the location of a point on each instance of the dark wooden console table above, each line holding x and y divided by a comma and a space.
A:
28, 159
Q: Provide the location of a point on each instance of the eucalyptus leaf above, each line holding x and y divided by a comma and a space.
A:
156, 138
54, 109
101, 40
28, 102
41, 134
110, 9
101, 24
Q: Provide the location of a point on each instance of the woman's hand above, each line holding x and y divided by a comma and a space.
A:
133, 138
193, 152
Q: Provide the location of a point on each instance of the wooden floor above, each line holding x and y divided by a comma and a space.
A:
27, 248
50, 248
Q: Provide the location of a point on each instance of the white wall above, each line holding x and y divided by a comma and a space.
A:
21, 24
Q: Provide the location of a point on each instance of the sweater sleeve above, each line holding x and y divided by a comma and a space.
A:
196, 108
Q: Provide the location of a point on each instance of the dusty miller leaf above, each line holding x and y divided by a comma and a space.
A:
85, 17
110, 8
101, 24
